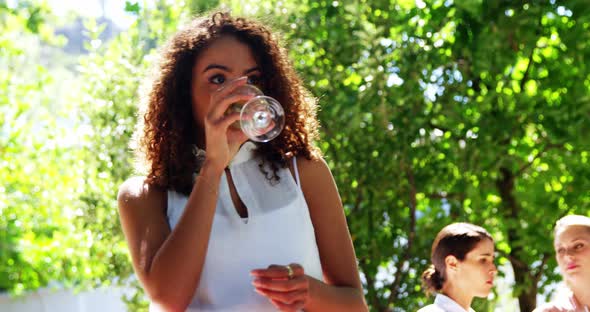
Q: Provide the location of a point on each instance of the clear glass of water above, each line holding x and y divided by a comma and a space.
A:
262, 118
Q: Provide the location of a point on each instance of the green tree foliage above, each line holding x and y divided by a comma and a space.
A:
441, 111
40, 240
432, 112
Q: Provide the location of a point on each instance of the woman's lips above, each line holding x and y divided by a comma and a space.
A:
572, 266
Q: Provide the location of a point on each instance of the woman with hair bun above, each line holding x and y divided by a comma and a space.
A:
462, 268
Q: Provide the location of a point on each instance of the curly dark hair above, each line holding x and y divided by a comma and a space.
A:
167, 136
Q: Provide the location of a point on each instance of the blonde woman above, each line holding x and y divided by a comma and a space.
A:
572, 248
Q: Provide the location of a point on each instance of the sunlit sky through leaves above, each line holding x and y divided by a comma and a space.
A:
113, 9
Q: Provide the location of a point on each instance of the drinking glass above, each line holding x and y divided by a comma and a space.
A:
262, 117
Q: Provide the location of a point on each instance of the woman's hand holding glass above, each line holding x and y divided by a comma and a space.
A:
223, 140
242, 111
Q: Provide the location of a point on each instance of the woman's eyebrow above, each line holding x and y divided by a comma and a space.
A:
216, 66
578, 239
253, 69
571, 241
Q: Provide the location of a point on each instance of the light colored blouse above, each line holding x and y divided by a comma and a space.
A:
278, 230
565, 301
443, 303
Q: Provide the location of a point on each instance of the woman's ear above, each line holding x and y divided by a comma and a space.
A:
451, 263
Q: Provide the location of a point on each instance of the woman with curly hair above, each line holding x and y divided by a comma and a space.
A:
220, 223
572, 248
462, 268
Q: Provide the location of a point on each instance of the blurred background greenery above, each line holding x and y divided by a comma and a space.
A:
432, 112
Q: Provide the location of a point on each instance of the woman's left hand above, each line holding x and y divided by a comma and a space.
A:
286, 286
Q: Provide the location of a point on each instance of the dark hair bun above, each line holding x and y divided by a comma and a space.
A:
432, 280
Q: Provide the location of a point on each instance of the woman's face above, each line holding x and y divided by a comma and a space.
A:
476, 272
225, 59
572, 248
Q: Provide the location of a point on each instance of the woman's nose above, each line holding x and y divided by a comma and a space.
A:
569, 255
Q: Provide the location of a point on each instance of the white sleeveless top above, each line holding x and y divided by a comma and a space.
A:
278, 230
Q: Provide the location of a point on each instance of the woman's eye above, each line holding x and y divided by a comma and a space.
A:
217, 79
578, 246
560, 251
253, 80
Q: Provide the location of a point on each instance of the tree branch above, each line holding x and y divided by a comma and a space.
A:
539, 154
540, 271
444, 195
525, 77
394, 286
512, 259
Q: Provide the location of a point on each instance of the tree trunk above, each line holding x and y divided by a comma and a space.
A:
527, 298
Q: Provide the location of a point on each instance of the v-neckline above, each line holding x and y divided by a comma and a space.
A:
234, 172
238, 206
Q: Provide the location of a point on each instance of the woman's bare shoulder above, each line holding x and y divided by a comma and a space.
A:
136, 192
313, 167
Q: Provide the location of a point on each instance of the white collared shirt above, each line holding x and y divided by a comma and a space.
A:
443, 303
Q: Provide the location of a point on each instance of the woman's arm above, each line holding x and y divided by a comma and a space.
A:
168, 263
290, 289
342, 290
